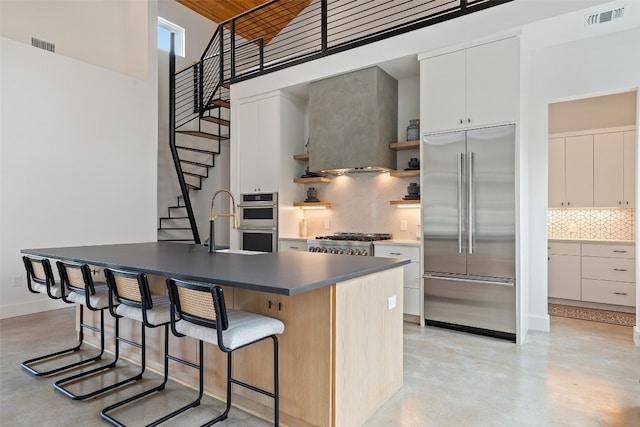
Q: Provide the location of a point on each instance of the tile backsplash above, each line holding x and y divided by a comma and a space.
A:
599, 224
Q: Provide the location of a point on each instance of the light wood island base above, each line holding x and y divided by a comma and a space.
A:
340, 354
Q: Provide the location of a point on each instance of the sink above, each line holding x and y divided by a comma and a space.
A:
239, 251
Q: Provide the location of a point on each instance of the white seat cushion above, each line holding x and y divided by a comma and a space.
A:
55, 289
98, 300
158, 315
243, 328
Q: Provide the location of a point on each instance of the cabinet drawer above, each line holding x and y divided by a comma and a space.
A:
609, 251
397, 251
293, 245
411, 301
603, 291
561, 248
619, 270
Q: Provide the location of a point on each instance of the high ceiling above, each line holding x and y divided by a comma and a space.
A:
266, 23
221, 10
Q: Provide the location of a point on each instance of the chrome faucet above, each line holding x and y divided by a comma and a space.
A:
213, 216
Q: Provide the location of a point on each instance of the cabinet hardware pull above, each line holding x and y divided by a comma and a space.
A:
294, 247
395, 253
620, 293
619, 252
619, 269
468, 120
461, 121
270, 304
561, 203
279, 306
619, 202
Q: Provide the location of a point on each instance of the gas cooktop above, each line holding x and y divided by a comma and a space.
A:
357, 237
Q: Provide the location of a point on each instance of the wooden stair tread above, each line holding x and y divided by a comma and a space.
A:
203, 134
199, 150
191, 162
221, 103
217, 120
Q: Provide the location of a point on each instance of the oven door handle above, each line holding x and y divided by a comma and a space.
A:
257, 228
257, 205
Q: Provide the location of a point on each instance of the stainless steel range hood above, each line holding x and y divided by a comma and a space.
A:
352, 119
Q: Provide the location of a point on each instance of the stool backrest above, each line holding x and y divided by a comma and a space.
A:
39, 271
129, 288
198, 303
76, 277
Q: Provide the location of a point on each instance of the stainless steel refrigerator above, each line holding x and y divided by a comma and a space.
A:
468, 219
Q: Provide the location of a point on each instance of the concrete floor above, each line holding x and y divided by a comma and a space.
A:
581, 374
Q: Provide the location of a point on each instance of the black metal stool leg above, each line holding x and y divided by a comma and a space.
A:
28, 365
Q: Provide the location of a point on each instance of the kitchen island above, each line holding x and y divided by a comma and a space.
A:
341, 352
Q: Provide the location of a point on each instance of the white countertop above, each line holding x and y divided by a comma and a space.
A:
615, 242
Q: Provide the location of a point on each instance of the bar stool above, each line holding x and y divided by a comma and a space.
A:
40, 280
130, 297
78, 287
200, 312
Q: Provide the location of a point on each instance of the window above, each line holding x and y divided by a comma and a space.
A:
165, 28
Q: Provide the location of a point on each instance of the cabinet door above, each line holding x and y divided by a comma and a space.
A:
564, 277
557, 195
259, 145
579, 171
629, 169
608, 169
492, 82
442, 94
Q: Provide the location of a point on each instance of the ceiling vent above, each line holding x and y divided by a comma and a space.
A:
41, 44
603, 17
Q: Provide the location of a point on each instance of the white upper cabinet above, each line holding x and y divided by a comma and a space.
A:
557, 196
442, 95
629, 191
595, 169
608, 169
579, 171
469, 88
259, 139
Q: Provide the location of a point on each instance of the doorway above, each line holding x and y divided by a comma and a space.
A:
591, 217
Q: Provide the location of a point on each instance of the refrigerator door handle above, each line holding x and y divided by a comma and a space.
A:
470, 204
460, 169
472, 280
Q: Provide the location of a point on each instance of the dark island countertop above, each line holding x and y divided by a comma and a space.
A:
284, 273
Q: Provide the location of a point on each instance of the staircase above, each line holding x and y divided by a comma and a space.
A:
200, 105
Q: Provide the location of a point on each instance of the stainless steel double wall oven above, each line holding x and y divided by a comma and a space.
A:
258, 222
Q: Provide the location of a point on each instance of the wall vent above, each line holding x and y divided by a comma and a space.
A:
603, 17
41, 44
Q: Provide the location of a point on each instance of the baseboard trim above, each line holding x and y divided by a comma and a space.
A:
539, 323
636, 335
22, 309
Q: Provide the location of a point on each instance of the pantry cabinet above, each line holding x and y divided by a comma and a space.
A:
602, 273
468, 88
629, 166
593, 169
579, 171
564, 271
608, 169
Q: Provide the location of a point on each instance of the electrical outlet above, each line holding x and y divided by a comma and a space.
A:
327, 224
391, 302
403, 225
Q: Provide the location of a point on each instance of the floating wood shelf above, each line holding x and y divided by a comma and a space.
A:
315, 179
405, 145
404, 174
404, 202
304, 156
312, 204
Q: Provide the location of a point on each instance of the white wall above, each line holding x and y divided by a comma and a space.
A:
597, 65
106, 33
78, 157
